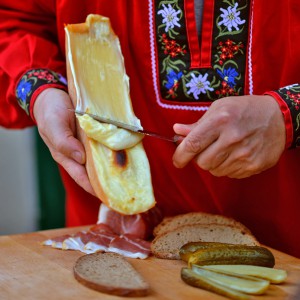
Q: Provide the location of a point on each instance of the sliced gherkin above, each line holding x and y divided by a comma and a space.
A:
243, 283
273, 275
196, 280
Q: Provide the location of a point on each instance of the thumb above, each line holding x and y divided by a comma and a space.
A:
183, 129
70, 147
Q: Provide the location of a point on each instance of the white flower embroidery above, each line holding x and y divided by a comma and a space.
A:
231, 18
199, 85
288, 87
169, 15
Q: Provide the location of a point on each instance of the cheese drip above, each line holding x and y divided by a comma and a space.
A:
109, 135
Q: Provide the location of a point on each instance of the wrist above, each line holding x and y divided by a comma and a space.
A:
289, 102
33, 83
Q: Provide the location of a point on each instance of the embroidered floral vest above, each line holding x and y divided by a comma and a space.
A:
192, 70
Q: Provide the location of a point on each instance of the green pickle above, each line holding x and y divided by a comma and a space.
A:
233, 271
226, 254
188, 249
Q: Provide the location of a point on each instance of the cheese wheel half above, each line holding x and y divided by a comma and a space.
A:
117, 164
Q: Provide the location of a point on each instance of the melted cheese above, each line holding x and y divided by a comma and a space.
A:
102, 85
117, 164
108, 134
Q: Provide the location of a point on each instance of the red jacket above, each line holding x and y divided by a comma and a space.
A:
256, 54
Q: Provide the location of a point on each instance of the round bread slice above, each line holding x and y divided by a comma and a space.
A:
110, 273
167, 245
170, 223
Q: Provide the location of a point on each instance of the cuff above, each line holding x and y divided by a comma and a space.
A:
288, 99
32, 83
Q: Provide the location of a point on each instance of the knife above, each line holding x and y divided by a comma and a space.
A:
132, 128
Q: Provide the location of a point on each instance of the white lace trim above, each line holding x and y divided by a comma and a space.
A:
250, 79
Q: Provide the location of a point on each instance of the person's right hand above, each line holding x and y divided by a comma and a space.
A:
57, 127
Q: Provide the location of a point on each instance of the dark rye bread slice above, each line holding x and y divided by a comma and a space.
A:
167, 245
110, 273
170, 223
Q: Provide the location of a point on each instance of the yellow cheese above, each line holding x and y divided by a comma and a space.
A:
108, 134
117, 164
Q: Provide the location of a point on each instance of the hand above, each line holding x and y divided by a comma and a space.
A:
56, 125
237, 137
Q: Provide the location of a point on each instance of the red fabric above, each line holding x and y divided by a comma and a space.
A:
268, 203
192, 34
287, 117
38, 91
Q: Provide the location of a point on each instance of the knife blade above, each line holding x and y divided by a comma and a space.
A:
132, 128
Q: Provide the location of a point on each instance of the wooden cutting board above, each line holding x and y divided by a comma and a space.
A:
30, 271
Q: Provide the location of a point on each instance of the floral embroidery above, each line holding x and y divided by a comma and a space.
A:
228, 50
199, 85
170, 47
229, 75
231, 18
23, 89
172, 82
291, 95
169, 15
34, 79
180, 82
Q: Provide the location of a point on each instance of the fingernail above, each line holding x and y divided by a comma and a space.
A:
77, 156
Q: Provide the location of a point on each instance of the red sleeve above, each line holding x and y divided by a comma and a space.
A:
288, 99
28, 40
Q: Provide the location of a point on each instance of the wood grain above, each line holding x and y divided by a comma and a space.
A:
30, 271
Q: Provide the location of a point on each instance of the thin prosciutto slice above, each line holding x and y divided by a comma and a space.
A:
100, 240
130, 246
140, 225
117, 233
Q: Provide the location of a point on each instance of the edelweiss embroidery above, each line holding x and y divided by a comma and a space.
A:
179, 79
231, 17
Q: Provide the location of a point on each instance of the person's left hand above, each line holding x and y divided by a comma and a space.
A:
56, 125
237, 137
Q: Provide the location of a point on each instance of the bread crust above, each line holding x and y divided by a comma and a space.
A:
117, 263
170, 223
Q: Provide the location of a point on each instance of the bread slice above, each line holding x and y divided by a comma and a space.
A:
170, 223
110, 273
116, 161
167, 245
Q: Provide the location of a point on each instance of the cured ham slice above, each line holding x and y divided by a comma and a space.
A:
76, 242
100, 241
125, 235
140, 225
130, 246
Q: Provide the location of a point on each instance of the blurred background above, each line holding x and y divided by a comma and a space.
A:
32, 195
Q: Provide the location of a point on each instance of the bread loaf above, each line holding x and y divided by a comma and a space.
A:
116, 161
170, 223
167, 245
110, 273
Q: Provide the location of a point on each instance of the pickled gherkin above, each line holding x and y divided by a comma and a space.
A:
243, 283
226, 254
196, 280
275, 276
